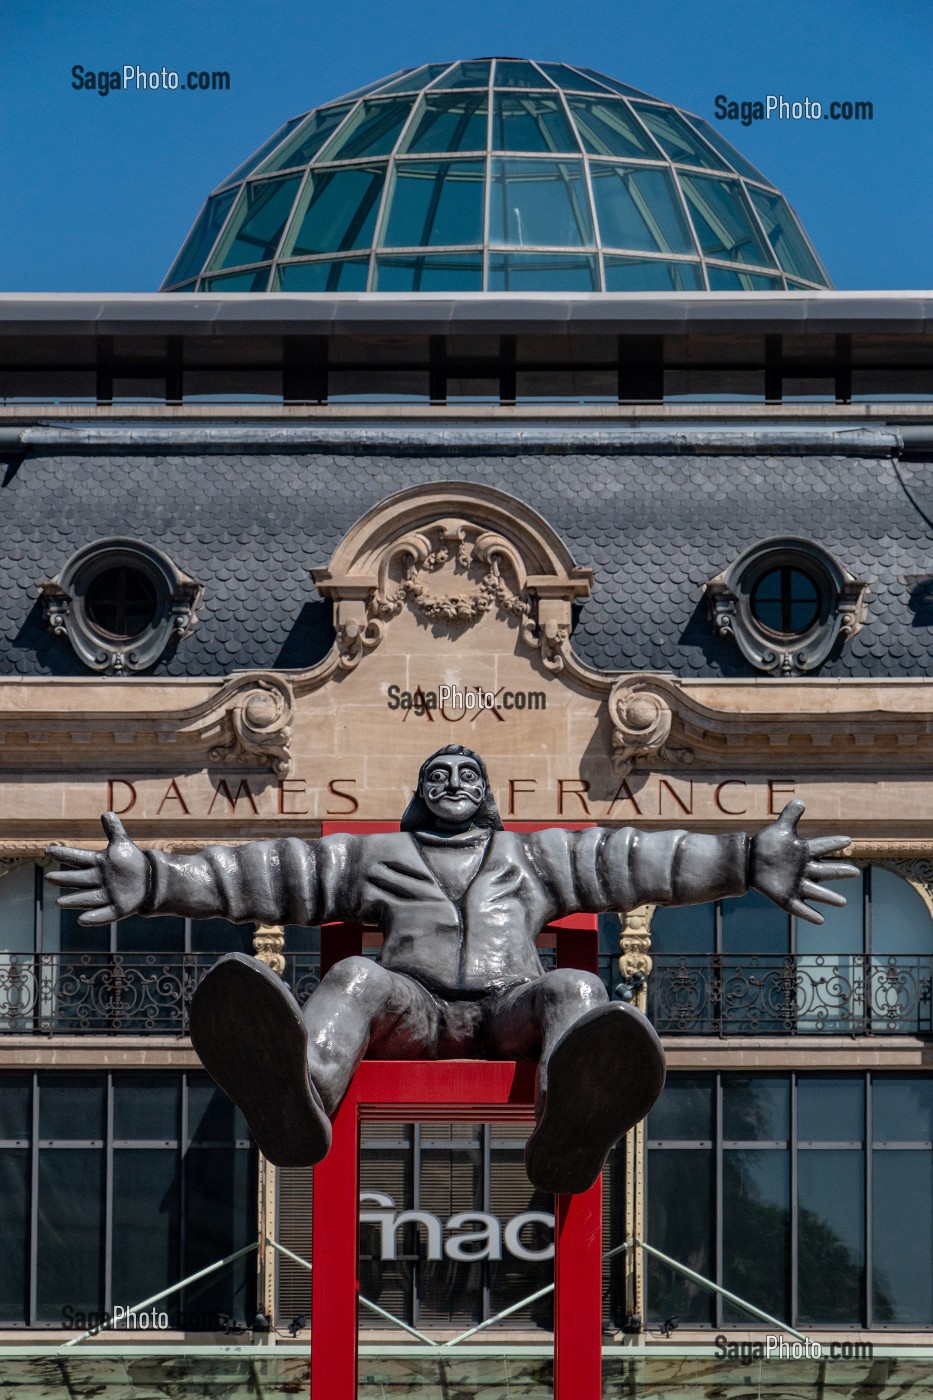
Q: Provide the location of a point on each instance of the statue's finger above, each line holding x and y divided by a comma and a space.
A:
803, 911
825, 845
72, 855
792, 813
99, 916
84, 899
830, 870
113, 826
810, 890
74, 879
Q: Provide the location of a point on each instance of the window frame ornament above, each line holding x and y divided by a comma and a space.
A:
177, 599
843, 605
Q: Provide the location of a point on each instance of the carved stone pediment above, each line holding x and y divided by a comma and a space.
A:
453, 554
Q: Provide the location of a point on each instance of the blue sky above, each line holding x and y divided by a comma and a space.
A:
99, 192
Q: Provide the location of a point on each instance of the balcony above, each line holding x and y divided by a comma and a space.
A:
791, 994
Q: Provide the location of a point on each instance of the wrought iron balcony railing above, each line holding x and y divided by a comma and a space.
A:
830, 994
793, 994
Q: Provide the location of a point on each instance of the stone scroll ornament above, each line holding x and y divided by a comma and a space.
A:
460, 902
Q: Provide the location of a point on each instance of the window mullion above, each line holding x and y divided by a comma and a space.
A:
868, 1309
718, 1270
794, 1241
34, 1207
108, 1199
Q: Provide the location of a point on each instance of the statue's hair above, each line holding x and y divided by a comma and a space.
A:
418, 815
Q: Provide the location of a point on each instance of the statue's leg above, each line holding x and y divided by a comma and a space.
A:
600, 1070
362, 1007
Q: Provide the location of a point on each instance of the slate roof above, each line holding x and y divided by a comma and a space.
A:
653, 528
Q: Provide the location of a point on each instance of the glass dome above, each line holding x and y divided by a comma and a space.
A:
496, 175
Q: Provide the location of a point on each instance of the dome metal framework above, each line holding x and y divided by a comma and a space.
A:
496, 175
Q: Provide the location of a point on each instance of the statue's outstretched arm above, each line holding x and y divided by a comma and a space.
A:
267, 881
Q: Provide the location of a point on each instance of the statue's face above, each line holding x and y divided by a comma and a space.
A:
453, 790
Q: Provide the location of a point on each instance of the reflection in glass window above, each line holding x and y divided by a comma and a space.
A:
255, 280
542, 272
608, 128
785, 236
539, 202
257, 222
796, 1197
727, 279
441, 273
202, 238
372, 130
258, 156
651, 275
639, 209
678, 139
339, 275
435, 204
727, 151
612, 83
448, 122
466, 75
416, 78
339, 214
515, 73
569, 79
309, 139
723, 221
532, 122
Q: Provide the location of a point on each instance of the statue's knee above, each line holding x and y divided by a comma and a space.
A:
355, 976
573, 985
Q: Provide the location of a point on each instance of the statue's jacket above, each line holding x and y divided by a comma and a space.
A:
458, 913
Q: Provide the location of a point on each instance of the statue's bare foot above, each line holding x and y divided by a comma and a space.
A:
603, 1076
250, 1036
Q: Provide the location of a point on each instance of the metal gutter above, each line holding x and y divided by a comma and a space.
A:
478, 437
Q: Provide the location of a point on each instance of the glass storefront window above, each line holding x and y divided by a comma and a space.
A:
852, 1182
125, 1213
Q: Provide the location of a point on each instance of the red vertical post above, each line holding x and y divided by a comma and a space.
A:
335, 1259
578, 1295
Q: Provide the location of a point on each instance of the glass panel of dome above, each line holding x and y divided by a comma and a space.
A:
448, 122
201, 239
727, 151
723, 221
652, 275
372, 130
531, 122
639, 209
539, 203
728, 279
613, 84
460, 273
677, 138
307, 141
417, 79
337, 275
569, 79
607, 128
785, 236
542, 272
255, 280
339, 213
436, 205
257, 222
515, 73
474, 74
263, 151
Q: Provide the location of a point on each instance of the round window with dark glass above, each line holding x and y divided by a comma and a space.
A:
121, 602
786, 601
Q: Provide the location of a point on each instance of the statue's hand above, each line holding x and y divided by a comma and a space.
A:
789, 870
108, 884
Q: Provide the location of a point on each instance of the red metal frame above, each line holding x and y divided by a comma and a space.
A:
448, 1091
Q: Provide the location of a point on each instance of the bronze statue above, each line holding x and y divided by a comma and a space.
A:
460, 902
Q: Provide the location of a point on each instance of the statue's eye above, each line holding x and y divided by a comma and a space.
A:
470, 774
438, 776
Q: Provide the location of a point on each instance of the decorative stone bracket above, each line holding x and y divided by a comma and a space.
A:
641, 719
493, 555
252, 724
